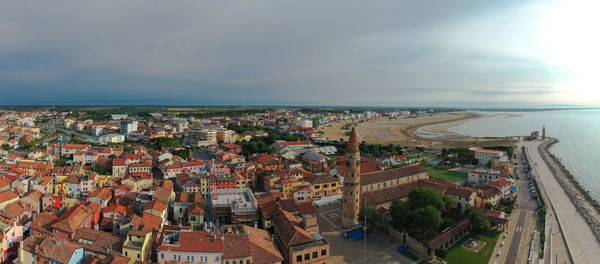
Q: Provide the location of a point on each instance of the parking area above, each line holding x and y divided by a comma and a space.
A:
379, 248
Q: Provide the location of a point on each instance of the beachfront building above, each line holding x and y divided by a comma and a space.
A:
482, 177
484, 156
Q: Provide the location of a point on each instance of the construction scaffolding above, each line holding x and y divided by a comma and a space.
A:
234, 206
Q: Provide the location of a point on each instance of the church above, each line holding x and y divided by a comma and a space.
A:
378, 188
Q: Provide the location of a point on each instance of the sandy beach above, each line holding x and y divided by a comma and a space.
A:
426, 130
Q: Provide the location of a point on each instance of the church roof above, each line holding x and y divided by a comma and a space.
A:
352, 142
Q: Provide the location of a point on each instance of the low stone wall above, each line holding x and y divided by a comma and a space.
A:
586, 205
413, 245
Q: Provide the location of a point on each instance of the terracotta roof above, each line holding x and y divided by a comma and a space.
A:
195, 209
101, 241
288, 205
500, 183
352, 142
389, 194
14, 209
288, 229
488, 191
147, 222
118, 162
188, 197
7, 196
262, 246
195, 241
118, 208
236, 246
320, 179
386, 175
57, 249
307, 207
104, 194
42, 222
162, 194
460, 192
442, 238
156, 205
73, 218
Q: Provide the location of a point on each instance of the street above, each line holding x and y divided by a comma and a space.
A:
564, 221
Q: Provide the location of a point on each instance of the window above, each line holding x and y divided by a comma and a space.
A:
314, 255
125, 253
162, 255
299, 258
138, 255
192, 258
307, 256
317, 187
324, 252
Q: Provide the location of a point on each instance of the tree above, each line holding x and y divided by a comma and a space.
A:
400, 212
427, 218
373, 216
479, 220
422, 197
488, 205
7, 147
450, 204
441, 252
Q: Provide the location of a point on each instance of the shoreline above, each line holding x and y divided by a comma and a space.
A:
423, 131
587, 207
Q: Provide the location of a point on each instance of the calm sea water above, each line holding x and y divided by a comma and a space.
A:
578, 132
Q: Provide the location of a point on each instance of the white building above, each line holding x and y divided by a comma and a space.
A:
111, 138
306, 123
484, 156
128, 127
97, 131
482, 177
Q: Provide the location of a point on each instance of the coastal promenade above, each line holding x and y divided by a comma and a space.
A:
580, 239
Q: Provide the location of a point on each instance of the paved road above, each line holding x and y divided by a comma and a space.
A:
582, 244
517, 238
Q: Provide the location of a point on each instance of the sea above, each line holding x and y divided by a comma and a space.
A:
578, 132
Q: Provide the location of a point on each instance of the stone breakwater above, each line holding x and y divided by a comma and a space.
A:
585, 204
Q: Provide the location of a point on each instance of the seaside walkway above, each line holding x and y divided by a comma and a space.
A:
581, 242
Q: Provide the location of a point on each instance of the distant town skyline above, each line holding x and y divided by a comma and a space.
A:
388, 53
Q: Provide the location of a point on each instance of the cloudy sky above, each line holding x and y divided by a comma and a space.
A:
335, 52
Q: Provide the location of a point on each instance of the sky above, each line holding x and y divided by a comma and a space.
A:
336, 52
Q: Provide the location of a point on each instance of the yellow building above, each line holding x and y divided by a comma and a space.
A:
288, 186
244, 138
324, 185
61, 187
59, 178
138, 246
101, 180
69, 202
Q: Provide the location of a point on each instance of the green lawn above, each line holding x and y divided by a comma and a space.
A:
459, 255
452, 176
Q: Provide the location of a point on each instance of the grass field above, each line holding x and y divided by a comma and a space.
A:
452, 176
460, 255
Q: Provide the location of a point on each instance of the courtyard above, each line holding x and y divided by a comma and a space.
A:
380, 247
